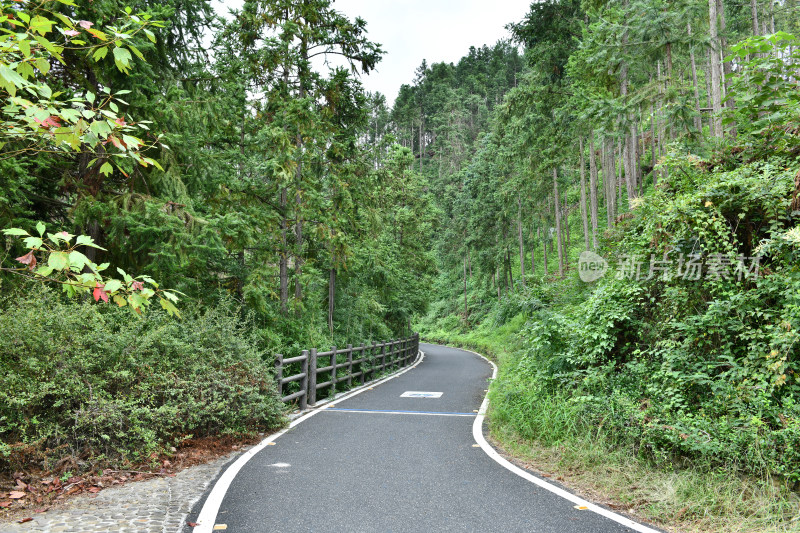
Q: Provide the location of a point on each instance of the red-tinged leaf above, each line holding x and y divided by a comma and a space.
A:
116, 142
100, 293
137, 285
94, 490
24, 520
63, 234
16, 495
120, 121
192, 524
71, 33
85, 24
28, 259
5, 504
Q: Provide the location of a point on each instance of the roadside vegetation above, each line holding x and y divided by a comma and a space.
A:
671, 385
182, 196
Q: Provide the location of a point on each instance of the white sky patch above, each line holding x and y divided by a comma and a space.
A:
413, 30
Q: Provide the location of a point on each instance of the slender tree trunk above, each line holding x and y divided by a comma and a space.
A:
509, 270
545, 234
653, 123
698, 120
331, 297
298, 229
709, 97
621, 178
421, 147
658, 137
584, 217
772, 17
533, 253
754, 14
716, 71
593, 189
558, 225
283, 270
466, 309
521, 242
565, 220
609, 184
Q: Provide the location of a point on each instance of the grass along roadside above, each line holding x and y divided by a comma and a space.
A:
686, 497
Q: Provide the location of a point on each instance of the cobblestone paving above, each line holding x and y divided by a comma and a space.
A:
157, 505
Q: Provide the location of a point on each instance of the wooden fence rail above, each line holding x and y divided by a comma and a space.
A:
361, 364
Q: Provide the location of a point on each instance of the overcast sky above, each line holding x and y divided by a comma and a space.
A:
413, 30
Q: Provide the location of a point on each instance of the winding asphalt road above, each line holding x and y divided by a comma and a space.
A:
380, 462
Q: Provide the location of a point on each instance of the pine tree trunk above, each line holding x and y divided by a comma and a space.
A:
509, 269
772, 17
521, 242
698, 120
558, 225
331, 297
565, 220
466, 309
544, 248
584, 217
716, 71
653, 124
621, 178
421, 148
754, 15
709, 97
593, 189
283, 265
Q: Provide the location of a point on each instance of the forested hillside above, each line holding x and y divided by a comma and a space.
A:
663, 136
155, 152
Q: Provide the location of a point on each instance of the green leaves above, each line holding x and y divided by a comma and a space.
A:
41, 25
58, 260
122, 58
77, 274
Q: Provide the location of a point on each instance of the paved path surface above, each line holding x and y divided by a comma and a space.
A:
379, 462
153, 506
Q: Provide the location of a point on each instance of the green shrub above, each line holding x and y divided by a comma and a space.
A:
91, 381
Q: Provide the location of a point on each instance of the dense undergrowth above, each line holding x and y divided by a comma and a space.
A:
86, 383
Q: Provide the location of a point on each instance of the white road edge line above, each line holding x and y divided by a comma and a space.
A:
366, 411
208, 514
477, 433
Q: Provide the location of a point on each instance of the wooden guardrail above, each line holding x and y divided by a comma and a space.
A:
363, 363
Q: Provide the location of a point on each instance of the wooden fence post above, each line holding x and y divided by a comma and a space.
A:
333, 371
349, 365
361, 365
304, 382
279, 373
312, 376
